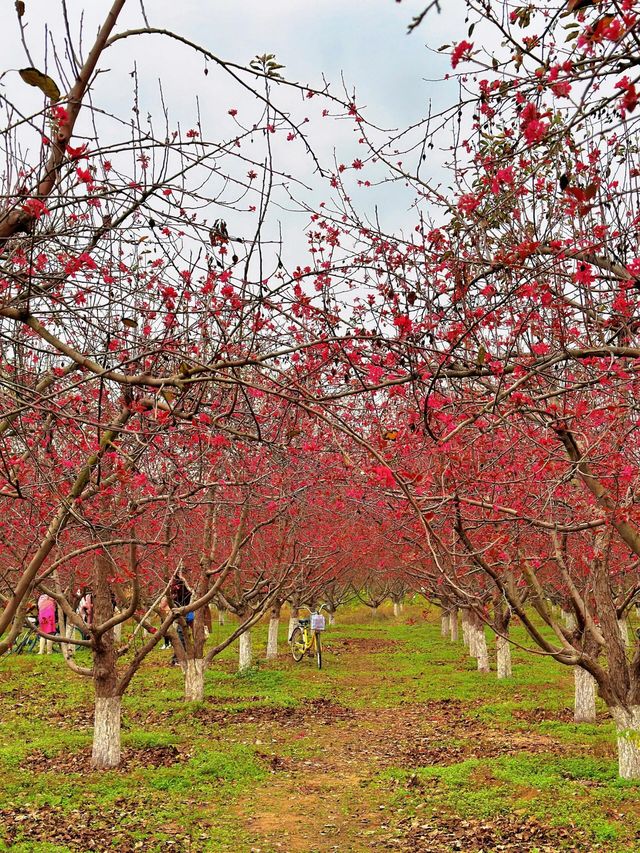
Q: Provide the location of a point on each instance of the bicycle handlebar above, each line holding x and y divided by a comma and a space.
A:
313, 609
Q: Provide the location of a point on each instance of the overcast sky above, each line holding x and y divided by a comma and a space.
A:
361, 42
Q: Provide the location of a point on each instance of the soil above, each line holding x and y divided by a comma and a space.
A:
333, 801
80, 761
74, 829
324, 790
509, 833
559, 715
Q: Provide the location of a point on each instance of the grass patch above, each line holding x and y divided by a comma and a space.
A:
373, 664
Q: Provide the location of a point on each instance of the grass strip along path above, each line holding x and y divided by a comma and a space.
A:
398, 744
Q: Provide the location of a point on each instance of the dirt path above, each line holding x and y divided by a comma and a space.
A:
326, 792
326, 801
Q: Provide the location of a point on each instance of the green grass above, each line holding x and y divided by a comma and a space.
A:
205, 799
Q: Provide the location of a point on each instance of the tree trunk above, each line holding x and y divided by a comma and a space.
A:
68, 649
624, 631
627, 722
503, 657
272, 640
106, 729
444, 624
453, 624
396, 608
465, 628
332, 617
106, 733
193, 669
472, 633
293, 621
585, 696
246, 652
220, 616
482, 653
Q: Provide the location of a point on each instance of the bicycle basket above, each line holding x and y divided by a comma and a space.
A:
317, 622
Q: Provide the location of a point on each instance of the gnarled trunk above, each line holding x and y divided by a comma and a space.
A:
503, 657
106, 733
584, 710
453, 624
106, 728
246, 651
627, 722
193, 669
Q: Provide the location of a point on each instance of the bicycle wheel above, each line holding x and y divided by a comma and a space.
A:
318, 650
297, 644
26, 643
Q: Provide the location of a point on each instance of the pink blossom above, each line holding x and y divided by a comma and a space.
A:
460, 51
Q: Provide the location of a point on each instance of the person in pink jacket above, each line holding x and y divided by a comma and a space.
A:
46, 621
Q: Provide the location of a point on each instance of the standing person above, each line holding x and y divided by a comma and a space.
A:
180, 593
85, 609
46, 621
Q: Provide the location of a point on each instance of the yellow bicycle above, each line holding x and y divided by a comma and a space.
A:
305, 638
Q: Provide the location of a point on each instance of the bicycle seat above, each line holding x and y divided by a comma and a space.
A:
304, 622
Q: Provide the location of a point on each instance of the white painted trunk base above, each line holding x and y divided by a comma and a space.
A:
444, 624
465, 628
106, 733
627, 722
246, 652
503, 657
332, 618
68, 649
193, 680
453, 625
220, 617
117, 632
482, 652
272, 639
396, 609
472, 634
584, 709
623, 625
293, 621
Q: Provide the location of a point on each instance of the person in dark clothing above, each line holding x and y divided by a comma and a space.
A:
181, 594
